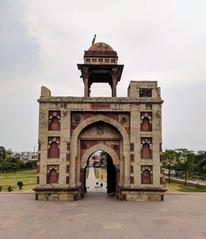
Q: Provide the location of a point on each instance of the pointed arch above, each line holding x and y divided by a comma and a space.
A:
146, 177
146, 152
53, 151
52, 177
54, 124
102, 147
145, 125
98, 118
75, 162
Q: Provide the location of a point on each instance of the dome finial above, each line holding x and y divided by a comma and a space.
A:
94, 38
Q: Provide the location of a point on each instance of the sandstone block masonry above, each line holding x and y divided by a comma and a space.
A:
128, 129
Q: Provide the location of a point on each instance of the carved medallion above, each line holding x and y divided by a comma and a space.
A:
100, 129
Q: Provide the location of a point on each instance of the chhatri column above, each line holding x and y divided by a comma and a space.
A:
85, 76
89, 88
114, 87
86, 88
114, 81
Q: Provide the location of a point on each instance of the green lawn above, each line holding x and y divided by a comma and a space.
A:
28, 177
175, 187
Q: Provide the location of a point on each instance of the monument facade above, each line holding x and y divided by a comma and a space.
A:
128, 129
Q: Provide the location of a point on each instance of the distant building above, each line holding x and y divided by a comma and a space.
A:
201, 152
128, 129
29, 156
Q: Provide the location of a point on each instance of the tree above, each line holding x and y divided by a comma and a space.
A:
20, 184
169, 160
103, 159
31, 164
2, 153
200, 164
185, 162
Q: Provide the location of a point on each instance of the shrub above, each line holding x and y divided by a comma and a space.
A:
9, 188
20, 184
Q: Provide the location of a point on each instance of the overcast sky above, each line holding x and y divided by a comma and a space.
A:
41, 41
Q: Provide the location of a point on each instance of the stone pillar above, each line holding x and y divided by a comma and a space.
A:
114, 81
43, 141
114, 87
85, 77
86, 88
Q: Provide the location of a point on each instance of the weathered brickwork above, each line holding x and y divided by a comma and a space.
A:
129, 129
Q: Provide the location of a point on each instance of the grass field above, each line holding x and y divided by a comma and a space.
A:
28, 177
175, 187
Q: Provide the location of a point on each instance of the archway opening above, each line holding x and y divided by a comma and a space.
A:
100, 174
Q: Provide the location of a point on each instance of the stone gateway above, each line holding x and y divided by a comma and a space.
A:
128, 129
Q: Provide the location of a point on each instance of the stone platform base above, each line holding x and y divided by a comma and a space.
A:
126, 194
55, 194
141, 194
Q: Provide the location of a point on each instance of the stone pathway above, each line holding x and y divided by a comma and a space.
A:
91, 180
93, 184
101, 217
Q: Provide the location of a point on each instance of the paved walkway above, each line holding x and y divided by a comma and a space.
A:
102, 217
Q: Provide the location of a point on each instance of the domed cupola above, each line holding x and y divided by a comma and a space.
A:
100, 66
100, 53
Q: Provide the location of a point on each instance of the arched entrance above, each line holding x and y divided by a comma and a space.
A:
107, 163
112, 135
100, 136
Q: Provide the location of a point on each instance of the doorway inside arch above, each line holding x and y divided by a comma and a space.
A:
100, 174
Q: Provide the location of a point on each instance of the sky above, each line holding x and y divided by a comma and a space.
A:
41, 42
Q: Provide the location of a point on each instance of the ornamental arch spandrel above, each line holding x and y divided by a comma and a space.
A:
75, 148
